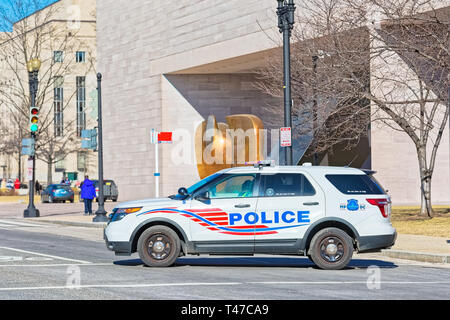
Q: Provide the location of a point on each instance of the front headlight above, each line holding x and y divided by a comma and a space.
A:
122, 212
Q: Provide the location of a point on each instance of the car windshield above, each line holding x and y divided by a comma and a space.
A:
196, 186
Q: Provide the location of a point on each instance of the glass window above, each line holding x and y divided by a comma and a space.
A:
81, 161
81, 104
80, 56
60, 163
232, 186
58, 100
58, 56
355, 184
285, 185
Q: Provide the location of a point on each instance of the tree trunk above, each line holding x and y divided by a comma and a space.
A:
49, 171
426, 208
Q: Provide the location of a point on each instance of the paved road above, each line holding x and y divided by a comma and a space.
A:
40, 261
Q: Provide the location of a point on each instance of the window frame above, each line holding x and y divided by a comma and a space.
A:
224, 177
376, 183
58, 106
262, 180
58, 56
80, 54
80, 83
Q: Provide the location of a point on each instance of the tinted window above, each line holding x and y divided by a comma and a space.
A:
355, 184
285, 185
63, 187
232, 186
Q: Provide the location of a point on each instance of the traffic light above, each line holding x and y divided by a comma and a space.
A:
34, 119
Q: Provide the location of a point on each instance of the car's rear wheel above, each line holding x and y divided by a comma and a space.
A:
331, 249
159, 246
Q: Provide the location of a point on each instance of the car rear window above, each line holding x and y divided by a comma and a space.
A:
63, 187
355, 184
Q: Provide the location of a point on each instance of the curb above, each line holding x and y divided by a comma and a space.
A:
417, 256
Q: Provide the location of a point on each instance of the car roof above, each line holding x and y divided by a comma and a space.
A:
293, 169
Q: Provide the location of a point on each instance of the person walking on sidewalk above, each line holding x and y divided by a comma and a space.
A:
87, 194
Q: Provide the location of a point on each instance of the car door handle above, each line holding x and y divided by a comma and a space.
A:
242, 206
310, 203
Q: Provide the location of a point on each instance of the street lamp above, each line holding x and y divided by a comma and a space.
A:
33, 67
315, 156
285, 12
100, 214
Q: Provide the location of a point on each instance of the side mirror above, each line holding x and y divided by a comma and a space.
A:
183, 192
204, 196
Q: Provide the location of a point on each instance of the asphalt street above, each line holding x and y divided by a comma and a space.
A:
45, 261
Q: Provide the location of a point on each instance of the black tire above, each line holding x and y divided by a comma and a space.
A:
331, 249
114, 199
72, 200
159, 246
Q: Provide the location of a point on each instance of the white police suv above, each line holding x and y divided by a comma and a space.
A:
323, 212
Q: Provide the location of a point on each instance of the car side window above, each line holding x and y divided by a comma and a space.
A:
232, 186
285, 185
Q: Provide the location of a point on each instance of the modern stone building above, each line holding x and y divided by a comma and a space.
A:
67, 87
170, 65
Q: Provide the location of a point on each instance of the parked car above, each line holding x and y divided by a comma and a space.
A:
110, 190
10, 184
57, 193
325, 213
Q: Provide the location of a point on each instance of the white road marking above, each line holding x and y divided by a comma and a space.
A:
349, 282
98, 286
55, 265
46, 255
9, 223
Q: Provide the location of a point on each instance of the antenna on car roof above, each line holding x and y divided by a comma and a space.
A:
351, 161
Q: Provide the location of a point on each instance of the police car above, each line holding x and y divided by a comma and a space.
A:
326, 213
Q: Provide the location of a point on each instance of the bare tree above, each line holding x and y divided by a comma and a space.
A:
382, 61
41, 35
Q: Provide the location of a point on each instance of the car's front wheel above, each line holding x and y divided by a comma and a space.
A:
331, 249
159, 246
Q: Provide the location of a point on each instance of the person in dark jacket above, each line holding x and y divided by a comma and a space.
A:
87, 194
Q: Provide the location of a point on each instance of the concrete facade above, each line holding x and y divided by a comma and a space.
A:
168, 65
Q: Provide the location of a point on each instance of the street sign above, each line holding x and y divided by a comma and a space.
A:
30, 170
89, 139
285, 137
164, 137
28, 147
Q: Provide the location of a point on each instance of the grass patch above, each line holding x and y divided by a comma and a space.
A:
408, 221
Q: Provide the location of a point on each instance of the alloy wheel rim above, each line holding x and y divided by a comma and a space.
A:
159, 246
332, 249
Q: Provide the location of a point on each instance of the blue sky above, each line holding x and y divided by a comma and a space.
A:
18, 9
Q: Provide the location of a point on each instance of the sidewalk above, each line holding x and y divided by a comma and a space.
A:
409, 247
78, 220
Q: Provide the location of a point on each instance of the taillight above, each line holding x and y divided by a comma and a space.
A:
382, 204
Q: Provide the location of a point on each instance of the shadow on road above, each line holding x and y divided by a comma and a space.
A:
280, 262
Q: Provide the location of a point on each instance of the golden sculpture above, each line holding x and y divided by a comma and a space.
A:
224, 145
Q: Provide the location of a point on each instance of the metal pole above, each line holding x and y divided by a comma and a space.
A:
315, 156
156, 166
100, 214
31, 211
285, 12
